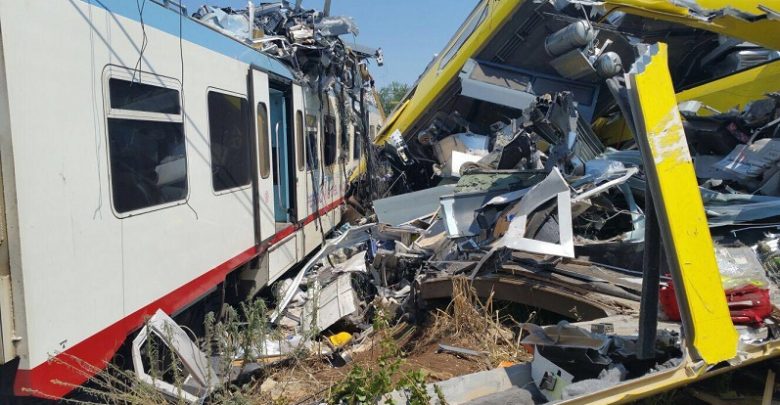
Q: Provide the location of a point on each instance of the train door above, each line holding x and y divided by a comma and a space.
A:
284, 254
300, 162
280, 147
264, 205
314, 180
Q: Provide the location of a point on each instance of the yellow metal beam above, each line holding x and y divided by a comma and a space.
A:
736, 90
686, 234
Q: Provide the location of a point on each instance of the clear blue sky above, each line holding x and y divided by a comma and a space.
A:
409, 31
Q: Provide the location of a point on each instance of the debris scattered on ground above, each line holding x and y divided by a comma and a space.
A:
516, 190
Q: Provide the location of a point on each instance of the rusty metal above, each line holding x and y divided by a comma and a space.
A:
547, 294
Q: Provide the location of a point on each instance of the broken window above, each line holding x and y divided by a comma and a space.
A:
229, 134
331, 146
262, 140
146, 145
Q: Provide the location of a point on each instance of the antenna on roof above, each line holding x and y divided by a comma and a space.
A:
251, 17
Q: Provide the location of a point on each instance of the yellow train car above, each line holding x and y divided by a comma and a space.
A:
670, 52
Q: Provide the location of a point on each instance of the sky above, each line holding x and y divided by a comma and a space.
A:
410, 32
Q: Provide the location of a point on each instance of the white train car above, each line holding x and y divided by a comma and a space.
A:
144, 158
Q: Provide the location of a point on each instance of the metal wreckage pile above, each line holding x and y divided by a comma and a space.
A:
505, 182
505, 179
309, 42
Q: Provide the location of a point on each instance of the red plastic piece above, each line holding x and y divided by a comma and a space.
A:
748, 305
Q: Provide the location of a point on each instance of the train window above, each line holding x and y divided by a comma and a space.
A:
230, 141
299, 138
312, 154
128, 95
331, 147
262, 140
148, 163
146, 145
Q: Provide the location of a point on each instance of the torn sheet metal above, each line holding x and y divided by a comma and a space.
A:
564, 335
481, 388
459, 351
349, 238
335, 26
554, 186
721, 208
460, 213
673, 182
728, 209
233, 24
201, 378
611, 179
747, 162
334, 301
462, 210
355, 264
400, 209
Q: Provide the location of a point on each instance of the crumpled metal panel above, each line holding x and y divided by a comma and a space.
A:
749, 20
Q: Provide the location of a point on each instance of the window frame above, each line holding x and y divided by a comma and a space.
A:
312, 127
151, 79
267, 149
244, 97
336, 144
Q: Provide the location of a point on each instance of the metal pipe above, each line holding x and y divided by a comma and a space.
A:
326, 8
250, 8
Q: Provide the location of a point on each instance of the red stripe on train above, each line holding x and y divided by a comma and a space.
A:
61, 374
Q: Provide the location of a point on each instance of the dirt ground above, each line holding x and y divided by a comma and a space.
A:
467, 322
310, 379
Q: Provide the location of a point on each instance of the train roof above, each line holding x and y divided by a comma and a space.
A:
172, 18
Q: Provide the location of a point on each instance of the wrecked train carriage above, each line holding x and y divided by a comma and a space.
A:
171, 163
548, 87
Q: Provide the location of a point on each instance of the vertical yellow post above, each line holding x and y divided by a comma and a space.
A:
683, 222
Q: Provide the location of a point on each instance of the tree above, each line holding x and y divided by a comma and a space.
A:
392, 94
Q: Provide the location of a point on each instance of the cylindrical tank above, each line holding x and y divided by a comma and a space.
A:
609, 64
574, 35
